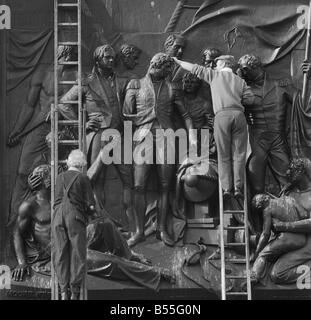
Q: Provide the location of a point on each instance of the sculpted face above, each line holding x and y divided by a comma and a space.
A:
131, 61
250, 69
176, 50
107, 61
161, 66
163, 72
191, 84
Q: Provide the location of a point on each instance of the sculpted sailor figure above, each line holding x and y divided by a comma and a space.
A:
35, 125
150, 103
103, 95
284, 209
291, 247
267, 118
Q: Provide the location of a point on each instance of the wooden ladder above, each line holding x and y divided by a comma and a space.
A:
75, 28
245, 262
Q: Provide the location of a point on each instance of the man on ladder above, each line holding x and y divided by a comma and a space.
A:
229, 94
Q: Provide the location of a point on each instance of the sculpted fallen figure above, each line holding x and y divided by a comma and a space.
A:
108, 255
290, 219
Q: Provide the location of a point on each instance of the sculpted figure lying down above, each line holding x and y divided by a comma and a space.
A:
108, 254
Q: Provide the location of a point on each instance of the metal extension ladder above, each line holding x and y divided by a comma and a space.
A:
75, 28
245, 262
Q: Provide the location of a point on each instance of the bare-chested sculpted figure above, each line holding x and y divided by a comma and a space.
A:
35, 125
291, 223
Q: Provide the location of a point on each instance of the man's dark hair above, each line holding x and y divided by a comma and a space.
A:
171, 40
129, 49
213, 53
251, 60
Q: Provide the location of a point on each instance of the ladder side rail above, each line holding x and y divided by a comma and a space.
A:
222, 244
54, 287
247, 249
83, 293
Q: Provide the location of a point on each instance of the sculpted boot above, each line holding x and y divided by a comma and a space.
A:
139, 214
162, 233
65, 295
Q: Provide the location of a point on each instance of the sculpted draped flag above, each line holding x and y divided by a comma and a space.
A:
270, 29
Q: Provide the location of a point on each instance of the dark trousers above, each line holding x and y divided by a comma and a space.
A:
268, 148
69, 248
230, 131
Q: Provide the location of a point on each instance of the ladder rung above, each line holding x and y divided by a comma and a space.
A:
68, 24
69, 102
68, 43
68, 122
236, 293
236, 244
236, 260
234, 228
73, 63
234, 212
68, 142
68, 82
68, 4
235, 277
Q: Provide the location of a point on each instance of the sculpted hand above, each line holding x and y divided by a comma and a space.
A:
306, 68
93, 125
13, 139
20, 272
277, 226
